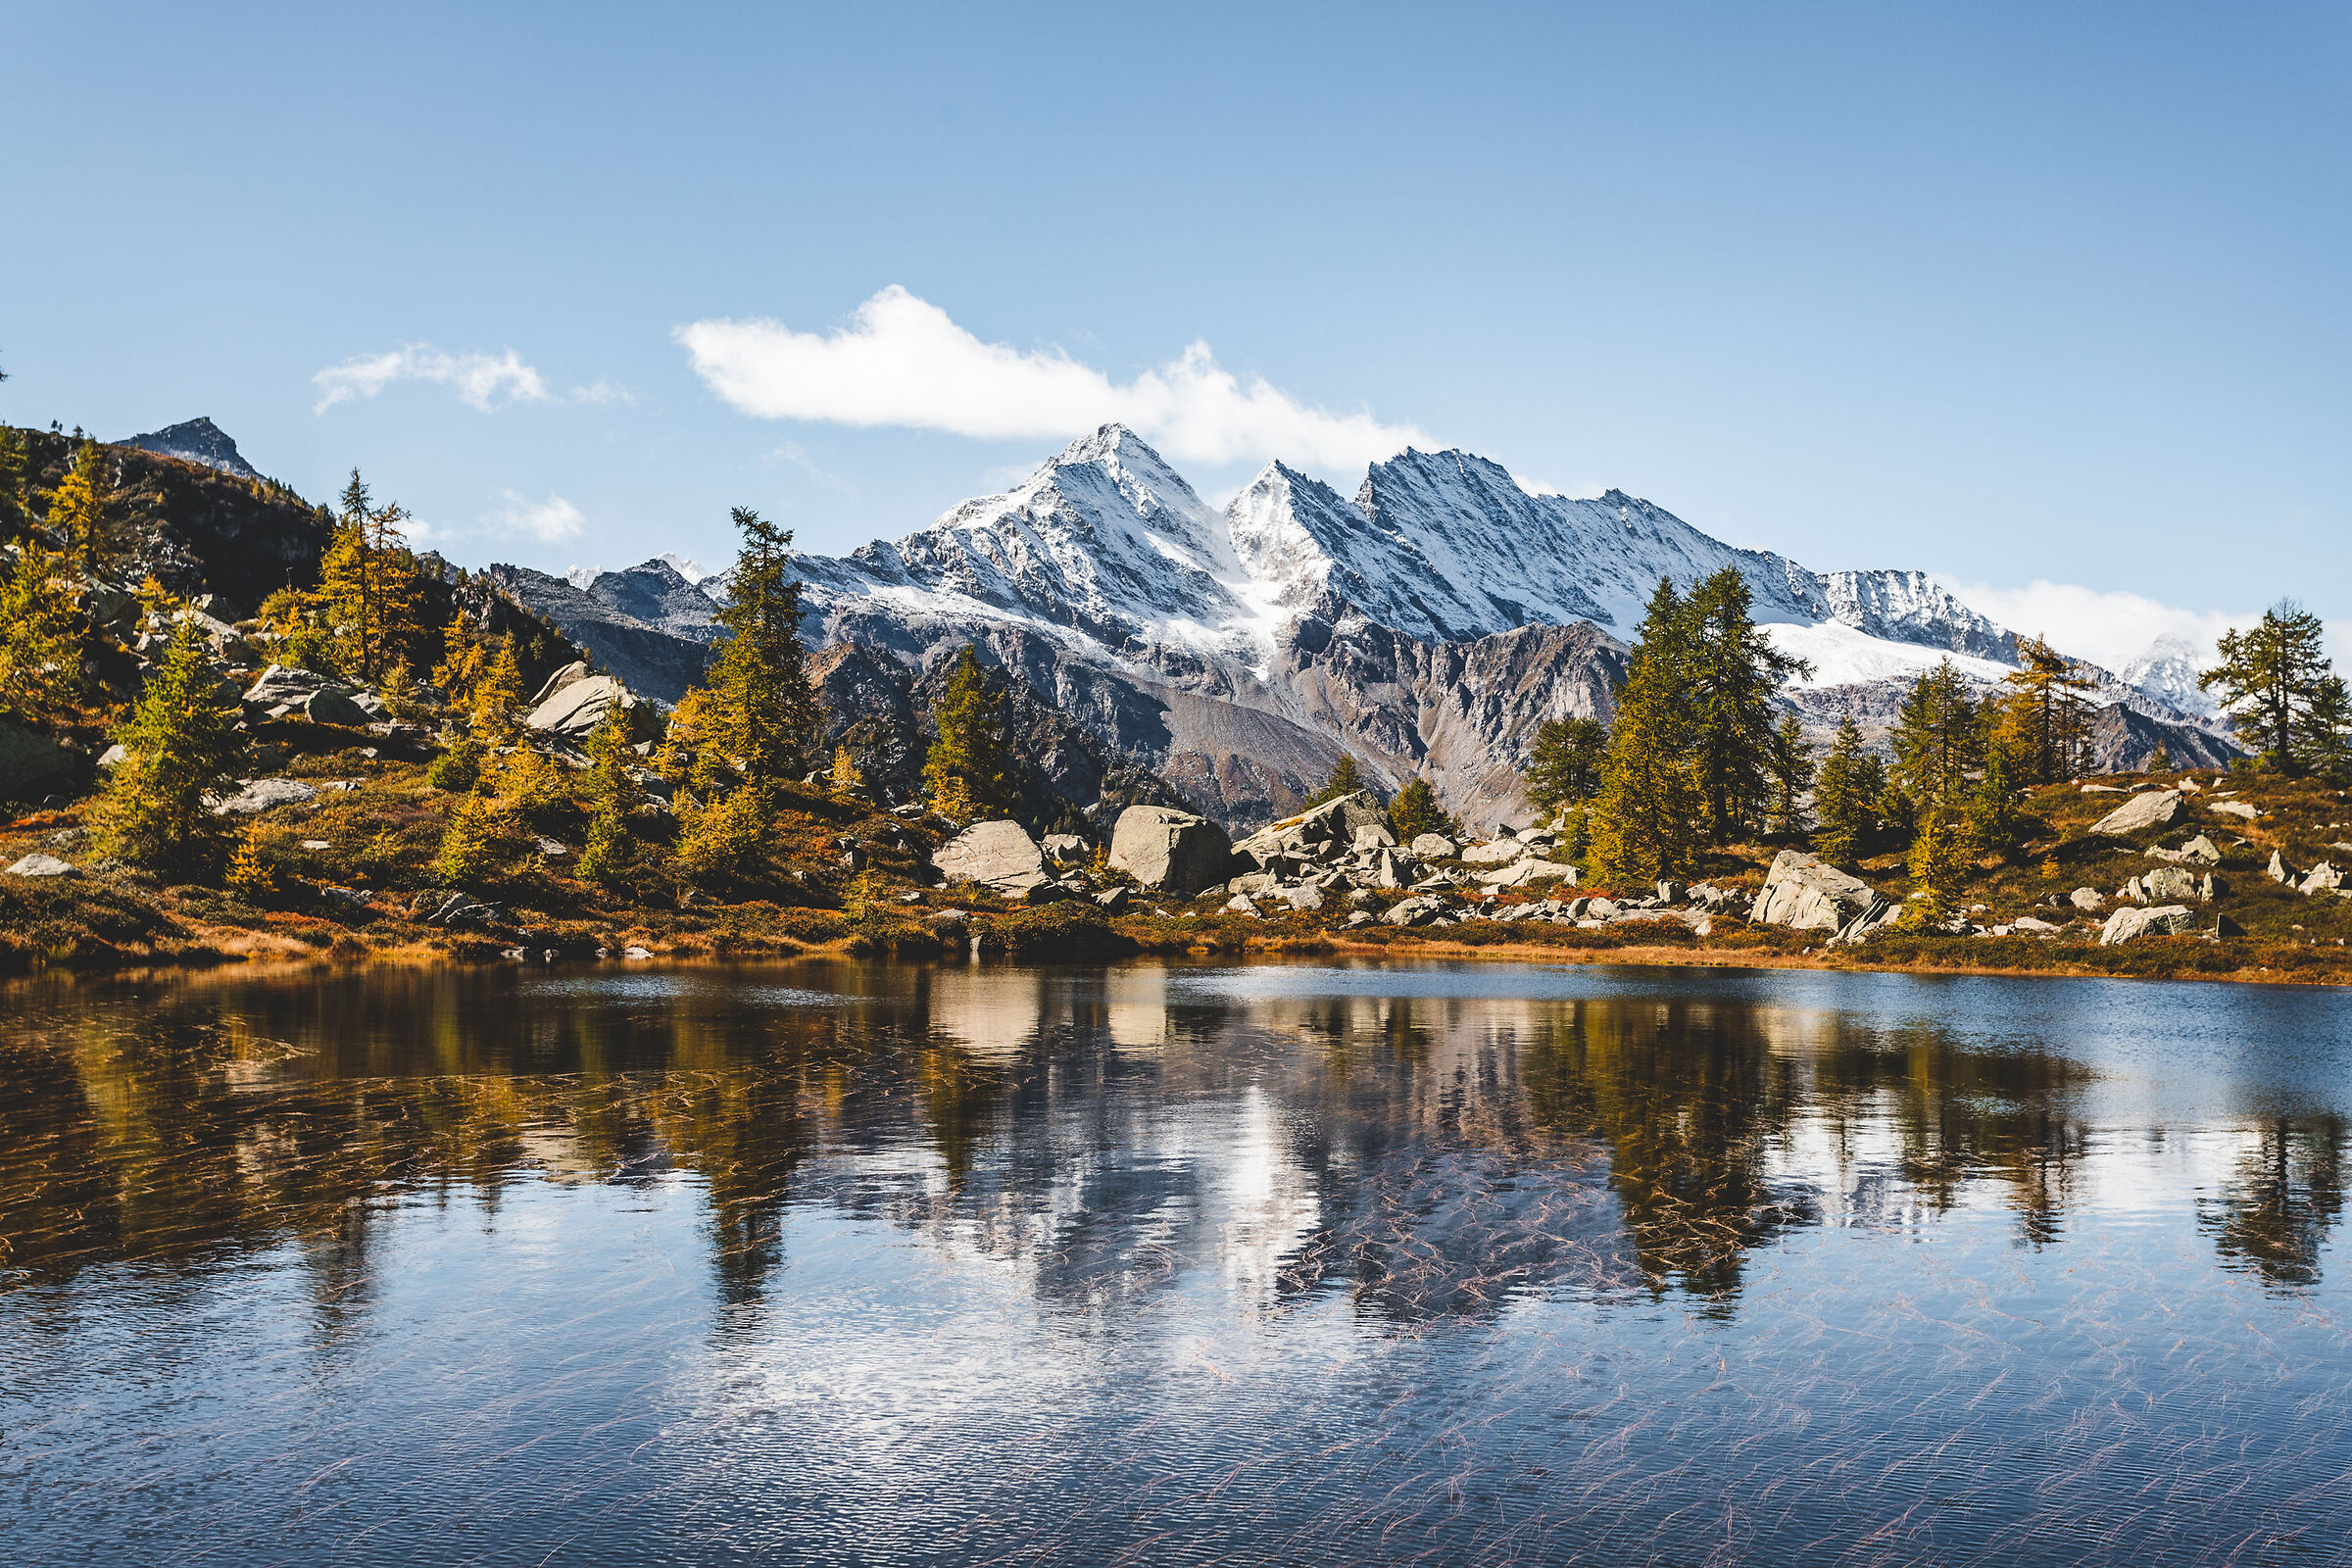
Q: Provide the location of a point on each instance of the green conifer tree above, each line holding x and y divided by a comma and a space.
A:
1938, 738
1846, 794
1791, 768
1938, 867
15, 468
612, 793
182, 742
2325, 741
40, 655
2267, 676
1565, 765
368, 588
1650, 814
770, 717
1345, 778
2044, 717
968, 772
498, 697
1415, 811
1732, 669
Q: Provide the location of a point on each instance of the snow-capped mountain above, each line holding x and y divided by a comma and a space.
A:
197, 440
1428, 624
2168, 673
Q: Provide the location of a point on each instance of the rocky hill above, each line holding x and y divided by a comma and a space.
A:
1428, 624
197, 440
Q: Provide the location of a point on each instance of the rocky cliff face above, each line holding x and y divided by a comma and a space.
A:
1428, 625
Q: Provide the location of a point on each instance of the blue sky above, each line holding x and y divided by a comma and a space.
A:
2008, 293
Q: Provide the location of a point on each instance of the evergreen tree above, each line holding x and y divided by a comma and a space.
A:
1992, 807
2044, 717
480, 842
1938, 866
78, 508
1847, 794
40, 655
462, 661
612, 793
2268, 678
2326, 738
498, 697
251, 876
724, 838
969, 771
1415, 811
15, 466
1565, 765
1938, 738
848, 782
367, 585
1345, 778
1648, 816
770, 713
182, 742
1790, 766
1733, 669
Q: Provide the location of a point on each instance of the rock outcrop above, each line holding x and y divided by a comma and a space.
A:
2133, 921
31, 762
998, 856
1806, 892
1172, 851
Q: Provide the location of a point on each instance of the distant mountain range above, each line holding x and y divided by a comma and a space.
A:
1426, 624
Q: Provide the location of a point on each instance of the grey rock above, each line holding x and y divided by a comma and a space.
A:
1670, 892
1063, 848
1374, 837
2322, 878
2131, 923
1528, 874
2202, 850
576, 670
330, 707
1421, 910
1170, 851
288, 686
1804, 892
41, 865
576, 708
1435, 847
458, 908
1000, 855
1499, 852
112, 754
2237, 809
259, 795
2280, 872
1238, 905
2139, 813
1113, 899
2169, 884
1323, 833
1305, 896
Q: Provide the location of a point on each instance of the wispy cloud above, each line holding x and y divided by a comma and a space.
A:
823, 479
480, 380
903, 361
549, 521
2107, 626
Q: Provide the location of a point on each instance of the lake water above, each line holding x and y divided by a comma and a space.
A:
862, 1264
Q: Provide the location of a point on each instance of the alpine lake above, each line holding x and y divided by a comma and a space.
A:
841, 1263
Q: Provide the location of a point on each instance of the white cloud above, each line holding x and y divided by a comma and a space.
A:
903, 361
547, 521
2108, 627
480, 380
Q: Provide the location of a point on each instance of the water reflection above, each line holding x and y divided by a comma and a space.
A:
1432, 1155
1187, 1263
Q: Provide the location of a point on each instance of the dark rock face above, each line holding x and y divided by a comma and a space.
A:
656, 659
198, 529
197, 440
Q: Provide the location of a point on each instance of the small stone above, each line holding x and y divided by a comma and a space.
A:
1435, 847
2129, 924
2238, 809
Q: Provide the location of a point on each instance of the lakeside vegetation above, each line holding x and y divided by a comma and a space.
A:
414, 809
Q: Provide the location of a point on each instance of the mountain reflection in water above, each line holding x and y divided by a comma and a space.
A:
873, 1263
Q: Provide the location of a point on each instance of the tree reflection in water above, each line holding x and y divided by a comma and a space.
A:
1109, 1135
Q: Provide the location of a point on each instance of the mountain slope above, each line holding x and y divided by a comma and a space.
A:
1428, 625
197, 440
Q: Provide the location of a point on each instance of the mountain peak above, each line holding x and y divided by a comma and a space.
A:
197, 440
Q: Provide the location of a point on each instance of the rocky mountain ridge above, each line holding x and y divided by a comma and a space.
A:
1428, 625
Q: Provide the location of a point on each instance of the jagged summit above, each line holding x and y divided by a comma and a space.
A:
197, 440
1426, 624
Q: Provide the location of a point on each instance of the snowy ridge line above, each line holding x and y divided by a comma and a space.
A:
1107, 542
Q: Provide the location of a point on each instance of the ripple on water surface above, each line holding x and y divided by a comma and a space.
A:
871, 1265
